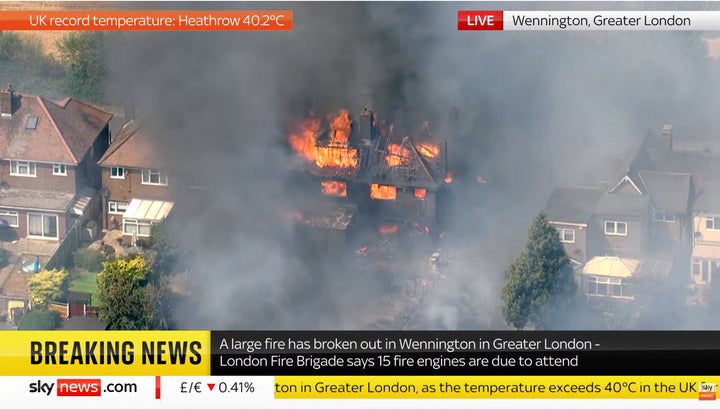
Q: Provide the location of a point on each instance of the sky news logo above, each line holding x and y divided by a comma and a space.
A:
68, 387
707, 391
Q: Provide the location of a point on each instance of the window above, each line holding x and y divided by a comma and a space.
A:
9, 217
42, 225
608, 287
696, 267
567, 235
138, 228
664, 217
712, 223
59, 169
616, 228
154, 177
31, 122
117, 207
22, 168
117, 172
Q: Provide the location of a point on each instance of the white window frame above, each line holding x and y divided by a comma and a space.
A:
137, 223
114, 207
614, 230
15, 168
147, 175
712, 222
664, 217
59, 169
10, 213
561, 233
117, 172
595, 282
43, 236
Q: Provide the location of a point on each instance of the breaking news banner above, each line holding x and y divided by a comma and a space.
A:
498, 20
137, 20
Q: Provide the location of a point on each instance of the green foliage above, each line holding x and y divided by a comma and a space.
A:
84, 56
89, 259
39, 319
128, 299
23, 64
540, 281
47, 286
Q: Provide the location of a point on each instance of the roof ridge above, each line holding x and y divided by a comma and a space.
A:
41, 100
418, 157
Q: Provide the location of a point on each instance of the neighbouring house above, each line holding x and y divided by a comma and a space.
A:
136, 184
663, 210
49, 178
705, 263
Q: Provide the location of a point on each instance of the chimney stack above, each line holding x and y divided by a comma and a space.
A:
667, 136
7, 101
366, 125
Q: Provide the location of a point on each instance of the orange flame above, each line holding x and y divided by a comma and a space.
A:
449, 177
333, 188
303, 140
396, 155
382, 192
388, 229
428, 150
420, 193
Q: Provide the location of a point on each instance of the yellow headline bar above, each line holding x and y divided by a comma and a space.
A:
496, 387
96, 353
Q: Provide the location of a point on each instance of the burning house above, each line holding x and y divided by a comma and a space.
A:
364, 170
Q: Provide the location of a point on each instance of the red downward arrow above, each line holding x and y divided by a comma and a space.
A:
211, 386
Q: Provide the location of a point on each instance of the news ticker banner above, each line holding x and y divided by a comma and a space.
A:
358, 353
138, 20
499, 20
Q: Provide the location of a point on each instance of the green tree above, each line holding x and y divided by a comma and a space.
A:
128, 297
164, 250
47, 286
84, 56
39, 320
540, 282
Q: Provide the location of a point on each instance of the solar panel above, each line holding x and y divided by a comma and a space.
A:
31, 122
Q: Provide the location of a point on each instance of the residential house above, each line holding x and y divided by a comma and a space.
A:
49, 176
136, 184
664, 208
609, 277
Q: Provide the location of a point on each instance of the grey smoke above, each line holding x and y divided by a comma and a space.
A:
536, 110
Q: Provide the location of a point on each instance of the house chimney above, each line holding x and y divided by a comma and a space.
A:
366, 125
667, 137
7, 101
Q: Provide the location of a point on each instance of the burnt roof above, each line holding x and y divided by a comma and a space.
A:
48, 131
572, 205
332, 216
412, 172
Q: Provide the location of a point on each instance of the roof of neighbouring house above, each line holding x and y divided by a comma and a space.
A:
622, 204
670, 192
611, 267
35, 199
707, 196
572, 205
47, 131
132, 147
84, 323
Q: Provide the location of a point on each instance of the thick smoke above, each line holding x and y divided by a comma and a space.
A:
534, 110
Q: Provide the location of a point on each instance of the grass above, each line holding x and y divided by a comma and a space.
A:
85, 283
